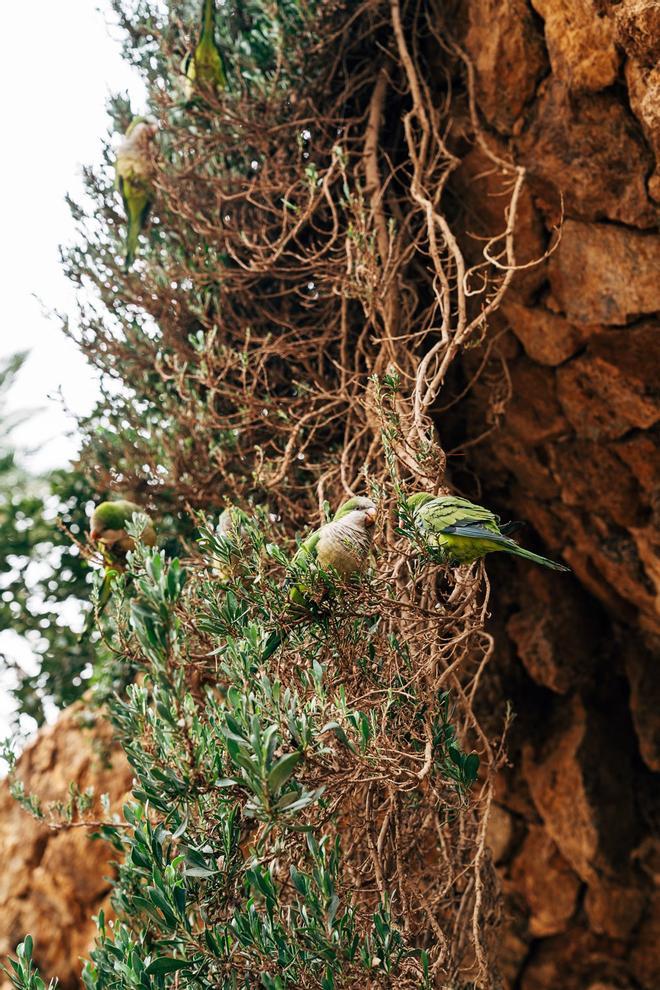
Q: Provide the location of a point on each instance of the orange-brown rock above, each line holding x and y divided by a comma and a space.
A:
547, 338
478, 176
580, 41
589, 147
645, 959
584, 469
576, 960
509, 57
613, 387
638, 451
534, 413
602, 273
607, 562
553, 633
641, 665
614, 909
514, 945
586, 803
576, 455
52, 882
644, 94
547, 883
637, 25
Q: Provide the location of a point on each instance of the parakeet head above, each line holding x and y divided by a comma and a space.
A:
365, 509
225, 521
230, 521
109, 520
147, 125
418, 499
110, 515
138, 140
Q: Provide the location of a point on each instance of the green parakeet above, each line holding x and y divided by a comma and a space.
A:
203, 67
342, 545
133, 179
108, 529
459, 532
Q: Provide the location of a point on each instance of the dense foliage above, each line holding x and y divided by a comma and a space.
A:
43, 575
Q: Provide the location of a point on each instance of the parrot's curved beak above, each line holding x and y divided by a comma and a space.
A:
95, 534
370, 517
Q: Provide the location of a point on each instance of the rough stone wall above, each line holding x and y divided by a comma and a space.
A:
52, 882
573, 88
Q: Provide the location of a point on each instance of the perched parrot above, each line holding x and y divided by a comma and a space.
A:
108, 529
458, 531
231, 525
342, 545
203, 67
133, 179
230, 522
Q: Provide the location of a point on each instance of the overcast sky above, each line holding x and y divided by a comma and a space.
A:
53, 121
59, 63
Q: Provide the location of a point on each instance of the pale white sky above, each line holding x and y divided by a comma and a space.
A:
59, 64
53, 121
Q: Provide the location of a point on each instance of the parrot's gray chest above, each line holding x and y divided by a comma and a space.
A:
342, 548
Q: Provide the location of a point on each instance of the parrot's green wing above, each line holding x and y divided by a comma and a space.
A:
298, 592
306, 552
448, 510
305, 555
137, 200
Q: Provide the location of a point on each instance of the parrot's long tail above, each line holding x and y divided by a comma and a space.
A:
138, 213
131, 241
208, 20
536, 557
502, 542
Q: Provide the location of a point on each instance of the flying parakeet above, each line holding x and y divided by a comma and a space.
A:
459, 532
342, 545
108, 529
133, 179
203, 67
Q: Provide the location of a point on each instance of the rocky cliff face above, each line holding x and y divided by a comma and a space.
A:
573, 391
53, 881
571, 398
